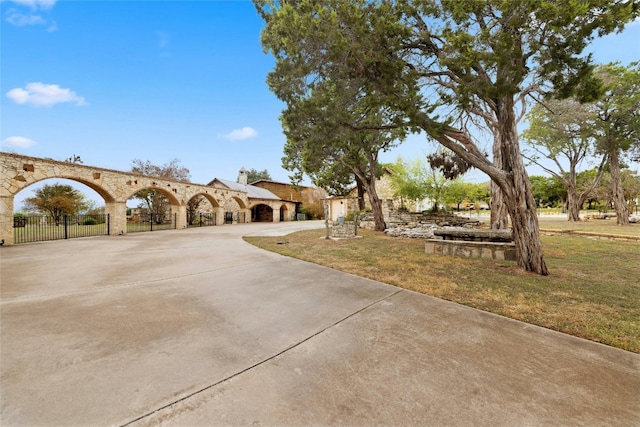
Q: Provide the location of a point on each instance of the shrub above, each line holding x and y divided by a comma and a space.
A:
314, 210
90, 221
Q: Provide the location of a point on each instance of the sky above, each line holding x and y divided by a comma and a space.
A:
112, 81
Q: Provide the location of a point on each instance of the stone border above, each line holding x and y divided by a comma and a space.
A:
502, 251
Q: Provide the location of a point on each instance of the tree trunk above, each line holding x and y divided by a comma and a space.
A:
512, 179
518, 195
574, 202
499, 213
622, 210
376, 207
369, 183
360, 188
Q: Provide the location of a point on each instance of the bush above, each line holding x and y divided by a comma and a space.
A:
313, 211
90, 221
351, 215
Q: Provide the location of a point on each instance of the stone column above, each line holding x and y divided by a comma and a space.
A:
219, 211
6, 220
181, 219
117, 212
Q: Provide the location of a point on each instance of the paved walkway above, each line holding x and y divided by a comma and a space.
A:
196, 327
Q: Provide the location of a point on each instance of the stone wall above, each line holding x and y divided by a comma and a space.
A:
410, 224
343, 230
488, 250
18, 172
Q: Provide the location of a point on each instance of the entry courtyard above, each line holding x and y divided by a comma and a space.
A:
196, 327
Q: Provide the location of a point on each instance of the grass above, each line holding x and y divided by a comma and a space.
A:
603, 226
593, 290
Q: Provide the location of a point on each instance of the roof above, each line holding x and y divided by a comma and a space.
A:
252, 191
288, 184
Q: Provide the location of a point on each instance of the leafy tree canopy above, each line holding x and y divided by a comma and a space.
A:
57, 200
254, 175
420, 65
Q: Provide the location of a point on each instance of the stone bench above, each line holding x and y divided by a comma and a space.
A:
472, 243
474, 235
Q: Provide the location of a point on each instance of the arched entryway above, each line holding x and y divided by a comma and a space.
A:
262, 213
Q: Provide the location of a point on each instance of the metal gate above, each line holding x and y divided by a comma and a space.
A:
228, 217
38, 228
203, 220
150, 222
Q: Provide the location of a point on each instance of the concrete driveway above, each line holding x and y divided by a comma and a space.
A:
196, 327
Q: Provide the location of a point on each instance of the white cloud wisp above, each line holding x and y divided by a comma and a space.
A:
19, 19
36, 4
44, 95
240, 134
18, 142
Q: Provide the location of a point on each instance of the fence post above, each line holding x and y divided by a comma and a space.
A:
175, 221
66, 224
151, 221
108, 225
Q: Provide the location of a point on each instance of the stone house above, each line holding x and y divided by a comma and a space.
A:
306, 198
264, 205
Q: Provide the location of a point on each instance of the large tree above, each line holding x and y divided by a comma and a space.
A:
619, 125
333, 134
152, 200
604, 194
428, 61
56, 200
562, 131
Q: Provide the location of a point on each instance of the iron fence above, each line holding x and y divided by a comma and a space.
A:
237, 217
202, 220
150, 222
38, 228
228, 217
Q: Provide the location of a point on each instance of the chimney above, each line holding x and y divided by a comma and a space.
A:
242, 176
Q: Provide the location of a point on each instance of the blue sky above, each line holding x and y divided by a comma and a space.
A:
111, 81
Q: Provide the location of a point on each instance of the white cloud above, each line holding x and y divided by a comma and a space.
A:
239, 134
36, 4
44, 95
20, 20
18, 142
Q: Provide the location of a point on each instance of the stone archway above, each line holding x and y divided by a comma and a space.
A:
262, 213
17, 172
202, 209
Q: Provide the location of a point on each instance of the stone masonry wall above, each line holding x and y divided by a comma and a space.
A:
343, 230
18, 172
